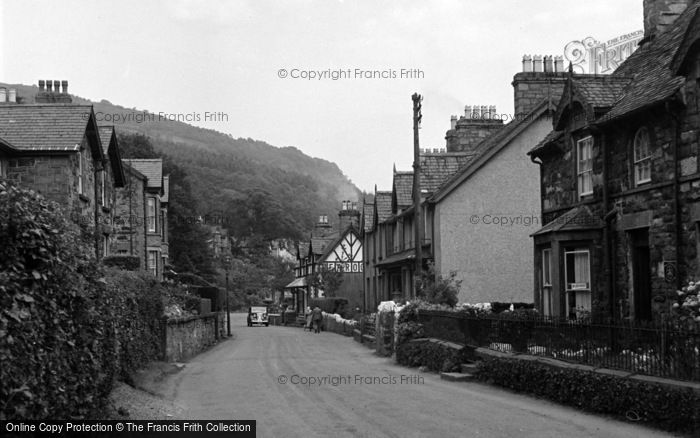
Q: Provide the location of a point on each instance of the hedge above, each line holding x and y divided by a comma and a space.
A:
660, 405
331, 305
63, 320
435, 356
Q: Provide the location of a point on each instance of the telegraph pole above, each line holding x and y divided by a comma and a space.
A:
417, 223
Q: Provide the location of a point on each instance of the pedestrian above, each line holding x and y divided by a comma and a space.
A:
316, 318
308, 324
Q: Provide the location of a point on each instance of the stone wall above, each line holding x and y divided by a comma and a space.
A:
186, 337
468, 133
531, 88
129, 224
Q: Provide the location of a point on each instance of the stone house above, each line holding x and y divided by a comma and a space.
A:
620, 183
56, 150
110, 178
141, 223
374, 247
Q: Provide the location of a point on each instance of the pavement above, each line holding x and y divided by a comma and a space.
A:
301, 384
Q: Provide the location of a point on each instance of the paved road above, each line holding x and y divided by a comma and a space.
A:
240, 379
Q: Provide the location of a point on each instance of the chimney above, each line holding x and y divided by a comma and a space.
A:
548, 64
659, 15
41, 85
559, 64
64, 87
49, 84
467, 132
543, 80
52, 93
348, 216
57, 86
537, 63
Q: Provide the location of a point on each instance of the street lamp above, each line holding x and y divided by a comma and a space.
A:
228, 311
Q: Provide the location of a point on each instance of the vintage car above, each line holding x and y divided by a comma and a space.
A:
257, 315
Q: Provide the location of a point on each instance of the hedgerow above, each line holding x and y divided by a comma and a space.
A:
666, 407
62, 318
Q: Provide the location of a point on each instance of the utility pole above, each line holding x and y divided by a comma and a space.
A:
227, 260
417, 223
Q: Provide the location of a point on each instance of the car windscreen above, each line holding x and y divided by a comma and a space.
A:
258, 310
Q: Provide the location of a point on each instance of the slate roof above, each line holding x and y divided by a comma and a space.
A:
51, 127
552, 137
403, 187
437, 168
601, 91
650, 65
577, 219
5, 145
367, 217
319, 244
383, 202
303, 249
152, 168
126, 164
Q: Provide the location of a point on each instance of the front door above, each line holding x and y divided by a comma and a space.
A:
641, 275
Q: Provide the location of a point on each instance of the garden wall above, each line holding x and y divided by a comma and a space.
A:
186, 337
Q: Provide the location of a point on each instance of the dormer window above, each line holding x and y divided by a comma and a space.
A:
584, 169
642, 157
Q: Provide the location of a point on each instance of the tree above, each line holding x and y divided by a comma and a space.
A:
327, 280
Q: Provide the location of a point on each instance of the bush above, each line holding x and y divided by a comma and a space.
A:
67, 330
670, 408
125, 262
434, 356
436, 289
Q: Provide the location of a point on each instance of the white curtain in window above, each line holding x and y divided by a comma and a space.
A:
581, 268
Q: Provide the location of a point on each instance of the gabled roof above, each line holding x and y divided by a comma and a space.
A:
382, 201
110, 150
596, 93
367, 217
330, 246
490, 147
690, 40
318, 244
152, 168
302, 250
577, 219
651, 66
50, 127
402, 190
6, 146
127, 165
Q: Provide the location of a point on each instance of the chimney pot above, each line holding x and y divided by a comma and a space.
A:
537, 63
475, 111
12, 95
453, 122
484, 112
492, 111
468, 111
3, 94
559, 64
527, 63
57, 86
41, 85
64, 86
49, 86
548, 64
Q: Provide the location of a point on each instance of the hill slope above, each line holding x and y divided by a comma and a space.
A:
223, 169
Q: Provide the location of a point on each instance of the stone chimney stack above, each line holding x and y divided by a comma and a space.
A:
478, 122
660, 14
347, 216
52, 93
542, 78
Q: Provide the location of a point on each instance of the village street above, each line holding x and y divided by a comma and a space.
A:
260, 374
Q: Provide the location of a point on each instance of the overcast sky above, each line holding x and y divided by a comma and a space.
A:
197, 56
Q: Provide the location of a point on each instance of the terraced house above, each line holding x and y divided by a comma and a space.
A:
620, 182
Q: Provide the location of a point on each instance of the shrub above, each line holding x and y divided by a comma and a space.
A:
436, 357
125, 262
437, 289
670, 408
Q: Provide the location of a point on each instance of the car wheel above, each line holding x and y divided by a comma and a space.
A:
267, 324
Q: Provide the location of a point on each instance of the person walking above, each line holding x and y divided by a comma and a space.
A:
308, 323
316, 318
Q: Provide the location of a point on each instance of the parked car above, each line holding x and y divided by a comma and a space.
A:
257, 315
